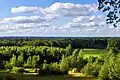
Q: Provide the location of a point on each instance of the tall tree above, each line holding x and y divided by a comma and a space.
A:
20, 60
35, 60
13, 60
68, 50
29, 61
113, 45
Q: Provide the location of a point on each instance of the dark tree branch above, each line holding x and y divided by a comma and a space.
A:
112, 8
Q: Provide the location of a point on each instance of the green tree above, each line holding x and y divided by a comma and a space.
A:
80, 62
113, 45
29, 62
35, 60
64, 65
111, 68
92, 68
68, 50
20, 60
13, 60
8, 66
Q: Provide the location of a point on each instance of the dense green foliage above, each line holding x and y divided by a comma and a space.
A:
98, 43
113, 45
107, 66
52, 60
93, 66
111, 68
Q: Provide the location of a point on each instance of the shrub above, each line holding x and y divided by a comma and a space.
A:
111, 68
50, 69
64, 65
44, 68
8, 65
35, 60
20, 60
14, 70
93, 67
54, 69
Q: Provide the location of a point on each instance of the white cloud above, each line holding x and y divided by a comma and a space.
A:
24, 19
70, 9
25, 26
58, 9
25, 9
87, 22
88, 18
32, 25
69, 19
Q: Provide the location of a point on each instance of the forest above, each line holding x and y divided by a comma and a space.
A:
91, 57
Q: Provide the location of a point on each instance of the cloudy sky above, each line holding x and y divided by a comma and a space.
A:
68, 18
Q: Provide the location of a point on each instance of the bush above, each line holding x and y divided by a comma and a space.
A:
44, 69
64, 65
14, 70
54, 69
50, 69
93, 67
111, 68
8, 65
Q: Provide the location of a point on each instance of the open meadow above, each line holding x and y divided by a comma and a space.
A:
93, 52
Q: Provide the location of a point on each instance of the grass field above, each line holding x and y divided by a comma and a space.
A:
33, 77
93, 52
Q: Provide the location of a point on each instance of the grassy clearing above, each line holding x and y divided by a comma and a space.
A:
73, 76
93, 52
32, 77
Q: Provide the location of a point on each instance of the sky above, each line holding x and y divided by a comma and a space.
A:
57, 18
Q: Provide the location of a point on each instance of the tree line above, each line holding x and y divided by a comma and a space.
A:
97, 43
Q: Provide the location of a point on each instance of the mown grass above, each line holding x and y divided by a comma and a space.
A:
93, 52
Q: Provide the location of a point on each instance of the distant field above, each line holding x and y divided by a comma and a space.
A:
93, 52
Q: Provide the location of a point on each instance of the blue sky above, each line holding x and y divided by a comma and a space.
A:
73, 18
6, 5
